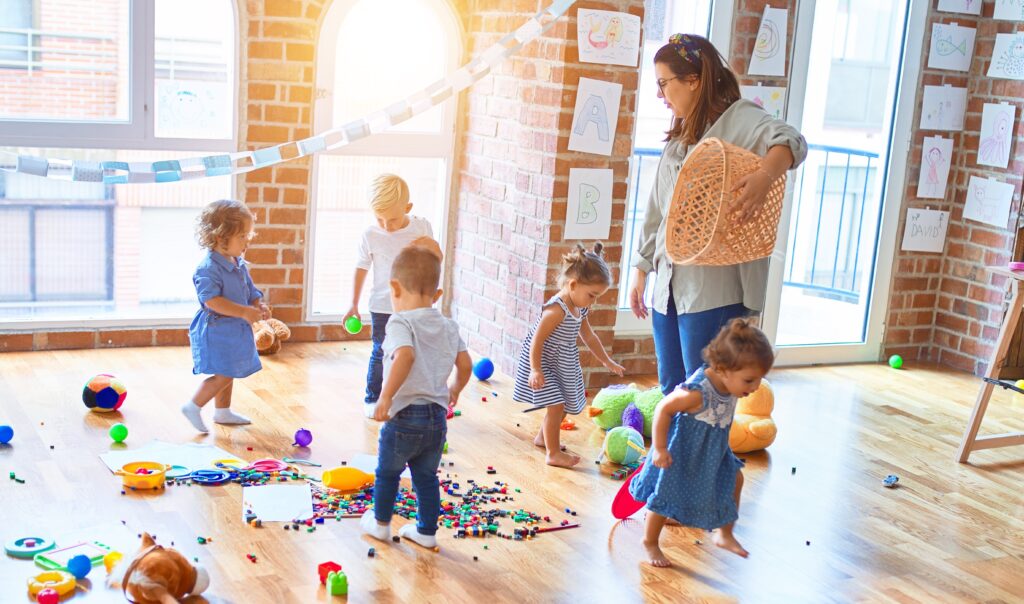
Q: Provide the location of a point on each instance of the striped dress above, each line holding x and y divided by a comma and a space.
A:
559, 362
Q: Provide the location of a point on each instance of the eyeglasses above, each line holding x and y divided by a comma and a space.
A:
661, 83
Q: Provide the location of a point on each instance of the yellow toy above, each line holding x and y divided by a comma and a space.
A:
753, 428
347, 478
58, 580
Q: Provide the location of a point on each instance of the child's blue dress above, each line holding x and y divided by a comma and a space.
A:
697, 489
223, 345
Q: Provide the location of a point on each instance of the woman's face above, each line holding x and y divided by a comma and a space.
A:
678, 92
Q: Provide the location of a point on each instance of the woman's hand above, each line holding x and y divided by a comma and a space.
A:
264, 311
755, 187
661, 458
252, 314
636, 295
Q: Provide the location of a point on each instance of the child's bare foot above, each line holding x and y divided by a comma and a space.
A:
655, 557
725, 540
563, 460
539, 441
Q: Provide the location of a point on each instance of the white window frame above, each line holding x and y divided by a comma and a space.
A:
720, 34
137, 132
387, 144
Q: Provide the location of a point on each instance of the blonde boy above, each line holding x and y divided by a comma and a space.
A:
378, 247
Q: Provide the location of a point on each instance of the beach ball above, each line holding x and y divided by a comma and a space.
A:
624, 445
104, 392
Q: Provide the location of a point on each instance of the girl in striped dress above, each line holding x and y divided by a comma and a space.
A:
548, 373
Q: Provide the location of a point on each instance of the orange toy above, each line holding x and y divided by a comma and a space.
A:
346, 478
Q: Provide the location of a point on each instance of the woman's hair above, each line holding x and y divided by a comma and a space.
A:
220, 220
388, 191
586, 267
739, 345
689, 55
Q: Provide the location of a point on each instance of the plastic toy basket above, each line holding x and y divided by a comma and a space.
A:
701, 229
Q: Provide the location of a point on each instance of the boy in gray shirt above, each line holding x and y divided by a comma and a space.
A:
420, 349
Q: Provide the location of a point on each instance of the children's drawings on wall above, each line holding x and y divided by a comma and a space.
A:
996, 134
1009, 10
596, 116
952, 47
608, 37
942, 108
588, 213
936, 157
988, 201
1008, 57
770, 98
970, 7
769, 56
925, 230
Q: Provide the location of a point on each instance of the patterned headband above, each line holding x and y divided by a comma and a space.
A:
688, 48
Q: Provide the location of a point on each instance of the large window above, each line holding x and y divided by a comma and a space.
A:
652, 120
365, 64
79, 87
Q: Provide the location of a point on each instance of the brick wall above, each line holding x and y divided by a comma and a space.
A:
513, 171
946, 307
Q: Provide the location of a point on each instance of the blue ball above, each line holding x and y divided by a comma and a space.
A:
79, 566
483, 369
6, 434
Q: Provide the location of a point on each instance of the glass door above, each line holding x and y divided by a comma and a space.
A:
851, 90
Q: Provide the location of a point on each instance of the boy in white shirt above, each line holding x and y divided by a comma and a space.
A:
380, 244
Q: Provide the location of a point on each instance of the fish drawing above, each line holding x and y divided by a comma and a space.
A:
946, 47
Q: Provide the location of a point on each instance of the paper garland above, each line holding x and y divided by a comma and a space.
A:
240, 162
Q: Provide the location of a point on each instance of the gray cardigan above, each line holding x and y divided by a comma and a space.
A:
700, 288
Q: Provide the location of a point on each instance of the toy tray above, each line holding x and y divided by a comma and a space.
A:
58, 558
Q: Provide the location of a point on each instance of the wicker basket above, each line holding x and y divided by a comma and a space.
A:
701, 229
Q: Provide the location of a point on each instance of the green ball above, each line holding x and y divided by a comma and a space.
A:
119, 432
896, 361
353, 325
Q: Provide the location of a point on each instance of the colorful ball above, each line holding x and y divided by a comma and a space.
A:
6, 434
79, 566
353, 325
118, 432
623, 445
1018, 383
104, 392
48, 596
483, 369
896, 361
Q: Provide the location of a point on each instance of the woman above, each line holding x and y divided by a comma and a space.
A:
691, 303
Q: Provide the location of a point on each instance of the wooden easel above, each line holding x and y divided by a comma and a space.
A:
971, 441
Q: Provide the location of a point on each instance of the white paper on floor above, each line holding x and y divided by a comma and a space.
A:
193, 456
278, 503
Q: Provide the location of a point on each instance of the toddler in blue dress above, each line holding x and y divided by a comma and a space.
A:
692, 476
221, 332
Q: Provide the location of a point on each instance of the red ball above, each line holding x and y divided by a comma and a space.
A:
48, 596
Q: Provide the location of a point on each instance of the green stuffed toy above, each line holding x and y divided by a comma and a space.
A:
624, 446
646, 402
608, 404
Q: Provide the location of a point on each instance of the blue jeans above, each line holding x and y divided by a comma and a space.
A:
375, 373
415, 436
680, 339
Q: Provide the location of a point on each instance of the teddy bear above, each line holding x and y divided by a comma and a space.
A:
753, 428
157, 575
269, 334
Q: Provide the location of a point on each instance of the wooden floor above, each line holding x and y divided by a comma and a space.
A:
829, 532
